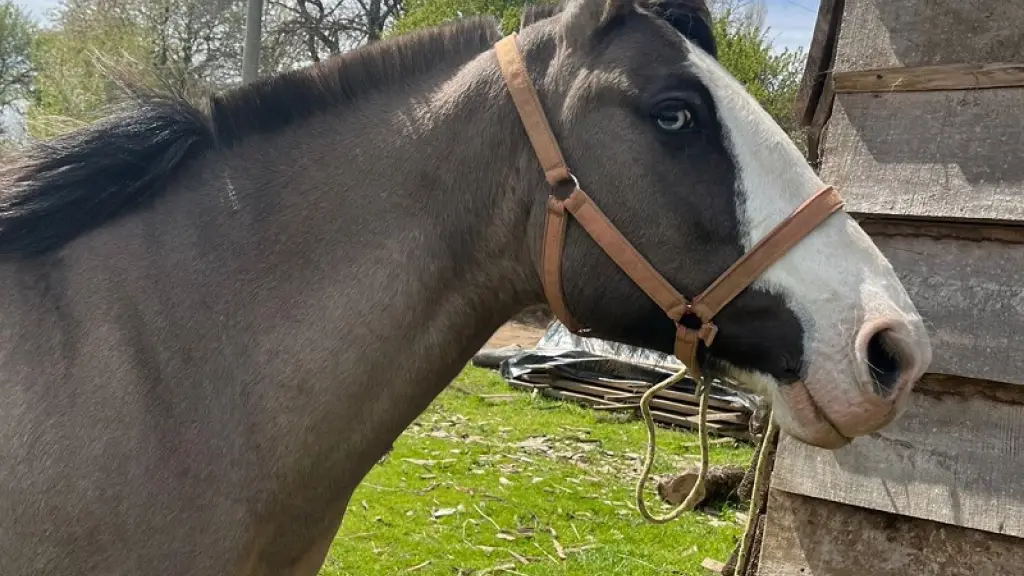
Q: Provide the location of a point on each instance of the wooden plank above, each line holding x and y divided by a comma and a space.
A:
667, 399
642, 387
820, 53
668, 411
690, 422
971, 296
624, 384
809, 537
927, 78
819, 123
524, 385
955, 459
584, 399
681, 396
692, 412
940, 155
906, 33
600, 391
961, 230
664, 411
676, 407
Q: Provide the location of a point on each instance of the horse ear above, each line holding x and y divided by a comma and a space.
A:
692, 19
582, 19
536, 12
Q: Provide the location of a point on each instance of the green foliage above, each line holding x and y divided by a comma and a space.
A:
424, 13
492, 478
188, 47
16, 32
73, 63
193, 47
744, 49
771, 77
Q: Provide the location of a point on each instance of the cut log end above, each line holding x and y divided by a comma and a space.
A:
721, 485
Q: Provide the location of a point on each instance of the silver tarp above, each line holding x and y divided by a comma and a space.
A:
562, 354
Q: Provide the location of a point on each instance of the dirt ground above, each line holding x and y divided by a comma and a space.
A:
524, 329
514, 333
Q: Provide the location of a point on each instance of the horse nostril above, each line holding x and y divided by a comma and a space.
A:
883, 358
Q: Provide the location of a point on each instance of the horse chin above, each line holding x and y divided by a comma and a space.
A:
793, 406
799, 415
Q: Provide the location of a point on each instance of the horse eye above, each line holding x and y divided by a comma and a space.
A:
674, 118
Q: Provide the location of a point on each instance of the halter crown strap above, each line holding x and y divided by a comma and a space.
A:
530, 111
705, 306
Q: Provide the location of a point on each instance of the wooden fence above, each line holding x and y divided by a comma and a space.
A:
915, 111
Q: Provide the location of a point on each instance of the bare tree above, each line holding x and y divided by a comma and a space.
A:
198, 44
328, 27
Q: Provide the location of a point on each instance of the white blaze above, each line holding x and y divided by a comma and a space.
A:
835, 279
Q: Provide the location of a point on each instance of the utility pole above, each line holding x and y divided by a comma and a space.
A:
253, 36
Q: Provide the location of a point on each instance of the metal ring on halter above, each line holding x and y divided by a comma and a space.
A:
575, 182
572, 179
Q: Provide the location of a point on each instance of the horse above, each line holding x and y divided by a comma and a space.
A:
217, 318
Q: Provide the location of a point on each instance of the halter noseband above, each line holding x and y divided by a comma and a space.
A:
703, 308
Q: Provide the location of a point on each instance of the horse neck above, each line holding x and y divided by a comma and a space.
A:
402, 219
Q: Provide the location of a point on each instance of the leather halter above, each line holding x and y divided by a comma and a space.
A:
693, 319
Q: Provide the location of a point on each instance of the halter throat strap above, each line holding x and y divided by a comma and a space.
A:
693, 319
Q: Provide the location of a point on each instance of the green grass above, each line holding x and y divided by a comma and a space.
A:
494, 481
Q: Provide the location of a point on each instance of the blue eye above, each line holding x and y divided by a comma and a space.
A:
674, 118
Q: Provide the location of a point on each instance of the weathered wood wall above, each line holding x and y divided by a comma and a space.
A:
935, 173
955, 457
931, 155
934, 154
905, 33
971, 295
812, 537
937, 154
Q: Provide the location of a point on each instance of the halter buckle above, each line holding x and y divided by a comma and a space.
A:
706, 329
707, 332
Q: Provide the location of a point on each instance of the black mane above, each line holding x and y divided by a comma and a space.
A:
280, 100
55, 190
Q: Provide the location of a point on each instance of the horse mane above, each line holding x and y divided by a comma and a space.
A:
280, 100
539, 11
55, 190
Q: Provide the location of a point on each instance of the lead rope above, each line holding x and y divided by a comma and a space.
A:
760, 476
703, 390
697, 491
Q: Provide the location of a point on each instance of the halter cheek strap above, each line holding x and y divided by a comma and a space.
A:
693, 319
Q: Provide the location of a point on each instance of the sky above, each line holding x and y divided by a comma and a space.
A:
790, 22
37, 8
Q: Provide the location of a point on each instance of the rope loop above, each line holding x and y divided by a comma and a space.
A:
696, 494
